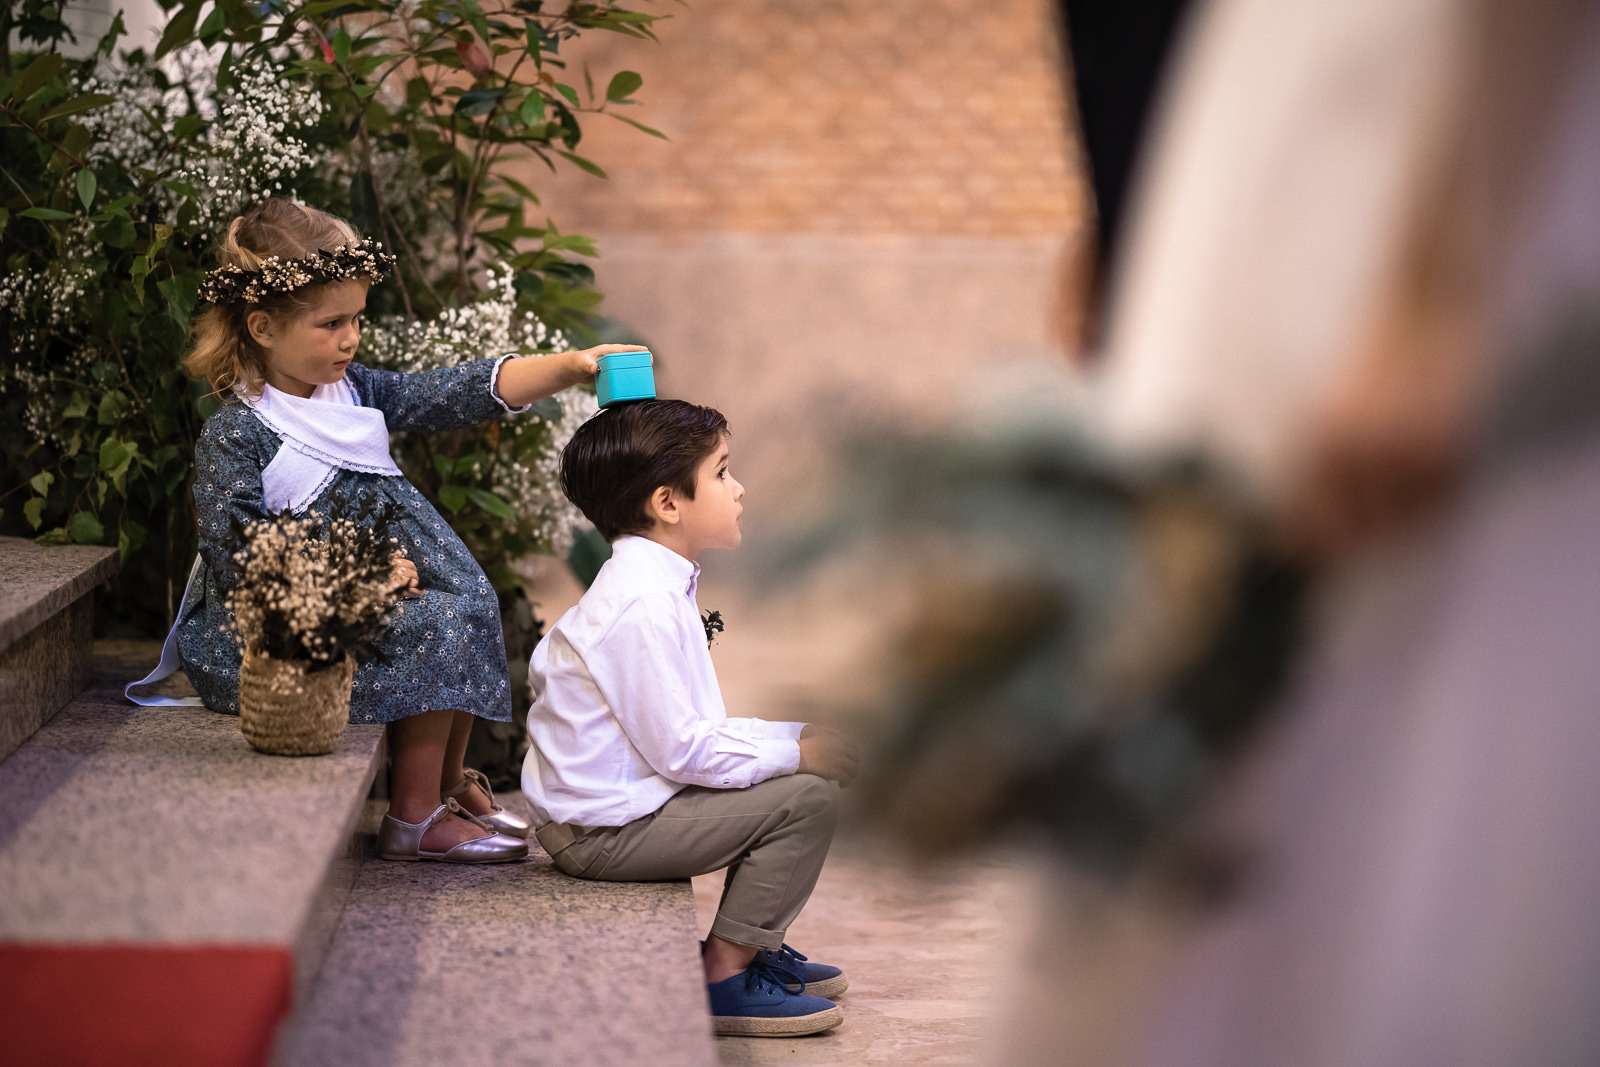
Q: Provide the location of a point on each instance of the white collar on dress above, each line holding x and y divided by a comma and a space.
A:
322, 434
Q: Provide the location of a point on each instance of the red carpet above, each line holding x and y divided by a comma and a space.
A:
133, 1005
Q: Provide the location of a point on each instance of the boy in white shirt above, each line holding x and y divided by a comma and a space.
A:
635, 772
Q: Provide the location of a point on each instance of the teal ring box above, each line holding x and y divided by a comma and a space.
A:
624, 376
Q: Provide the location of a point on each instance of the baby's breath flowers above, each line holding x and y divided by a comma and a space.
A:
315, 588
518, 459
251, 141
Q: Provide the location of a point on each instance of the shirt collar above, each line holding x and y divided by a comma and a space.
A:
658, 562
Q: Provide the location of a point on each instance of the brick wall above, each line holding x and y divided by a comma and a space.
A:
918, 117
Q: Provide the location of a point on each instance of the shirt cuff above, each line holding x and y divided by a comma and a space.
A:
494, 386
770, 729
784, 755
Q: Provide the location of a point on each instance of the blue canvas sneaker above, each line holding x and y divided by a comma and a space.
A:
756, 1003
802, 976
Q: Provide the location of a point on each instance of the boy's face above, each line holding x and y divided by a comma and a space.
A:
711, 519
314, 346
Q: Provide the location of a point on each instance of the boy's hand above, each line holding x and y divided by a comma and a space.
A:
827, 753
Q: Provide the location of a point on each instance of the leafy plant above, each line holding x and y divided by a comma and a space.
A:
119, 170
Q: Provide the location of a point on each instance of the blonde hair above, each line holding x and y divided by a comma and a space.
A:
221, 349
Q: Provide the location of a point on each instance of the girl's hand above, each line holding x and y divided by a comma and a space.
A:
585, 364
406, 581
530, 378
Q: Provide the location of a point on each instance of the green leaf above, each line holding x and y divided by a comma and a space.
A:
47, 214
581, 163
651, 130
492, 504
112, 405
179, 29
530, 286
624, 83
569, 92
115, 455
87, 184
589, 552
35, 75
85, 529
475, 16
141, 271
187, 127
86, 102
535, 37
453, 497
213, 25
56, 535
341, 46
547, 408
443, 464
41, 482
479, 101
76, 142
77, 407
520, 189
33, 511
180, 292
130, 538
532, 108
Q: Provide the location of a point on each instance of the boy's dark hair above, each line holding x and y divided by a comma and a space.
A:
620, 457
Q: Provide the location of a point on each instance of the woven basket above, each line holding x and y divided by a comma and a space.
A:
287, 712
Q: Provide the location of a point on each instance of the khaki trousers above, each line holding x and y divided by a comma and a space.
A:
772, 837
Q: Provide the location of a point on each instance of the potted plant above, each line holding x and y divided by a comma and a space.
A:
314, 594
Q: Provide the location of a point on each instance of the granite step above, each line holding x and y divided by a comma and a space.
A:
505, 964
46, 630
165, 890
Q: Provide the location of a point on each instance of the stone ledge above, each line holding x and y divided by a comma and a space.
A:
159, 830
510, 963
44, 669
37, 582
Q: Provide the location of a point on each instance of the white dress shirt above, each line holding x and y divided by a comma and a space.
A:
628, 710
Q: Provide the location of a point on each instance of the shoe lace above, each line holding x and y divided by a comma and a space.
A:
790, 957
779, 968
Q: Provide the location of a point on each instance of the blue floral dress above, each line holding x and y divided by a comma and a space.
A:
445, 650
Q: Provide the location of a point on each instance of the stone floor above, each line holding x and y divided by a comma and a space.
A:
926, 951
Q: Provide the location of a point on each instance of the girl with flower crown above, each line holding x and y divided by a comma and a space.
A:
304, 426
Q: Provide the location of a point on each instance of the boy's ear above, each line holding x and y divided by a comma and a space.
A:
259, 323
664, 506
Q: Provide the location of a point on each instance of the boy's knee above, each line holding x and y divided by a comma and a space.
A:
815, 797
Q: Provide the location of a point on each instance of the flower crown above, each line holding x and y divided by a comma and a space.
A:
276, 277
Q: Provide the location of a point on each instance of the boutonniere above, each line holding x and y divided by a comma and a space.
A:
713, 621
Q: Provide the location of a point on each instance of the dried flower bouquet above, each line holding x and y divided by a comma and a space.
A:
314, 595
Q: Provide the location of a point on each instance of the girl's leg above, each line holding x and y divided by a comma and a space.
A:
418, 746
455, 753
